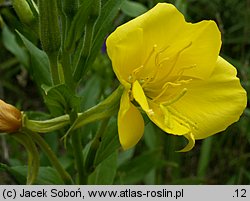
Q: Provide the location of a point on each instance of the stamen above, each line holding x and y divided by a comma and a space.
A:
181, 117
157, 65
165, 87
177, 57
176, 98
186, 68
158, 54
132, 77
150, 55
167, 121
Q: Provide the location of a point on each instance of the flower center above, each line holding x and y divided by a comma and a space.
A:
164, 83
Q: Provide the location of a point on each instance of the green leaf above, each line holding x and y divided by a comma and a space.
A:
77, 26
11, 44
91, 92
133, 9
60, 99
204, 158
39, 68
103, 25
133, 171
105, 172
46, 175
18, 172
181, 5
150, 136
110, 143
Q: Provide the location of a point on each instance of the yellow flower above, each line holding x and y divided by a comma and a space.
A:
173, 71
10, 118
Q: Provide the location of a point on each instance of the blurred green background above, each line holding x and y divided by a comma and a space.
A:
221, 159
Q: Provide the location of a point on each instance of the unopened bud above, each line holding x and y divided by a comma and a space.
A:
49, 26
10, 118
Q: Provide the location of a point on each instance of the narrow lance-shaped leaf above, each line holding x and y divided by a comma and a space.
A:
88, 36
39, 68
77, 26
103, 25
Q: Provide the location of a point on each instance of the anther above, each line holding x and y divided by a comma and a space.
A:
132, 77
151, 112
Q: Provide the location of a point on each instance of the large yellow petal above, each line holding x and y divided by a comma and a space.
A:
191, 142
215, 103
124, 50
194, 50
130, 123
162, 32
131, 43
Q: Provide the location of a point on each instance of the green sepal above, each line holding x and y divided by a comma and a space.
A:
45, 126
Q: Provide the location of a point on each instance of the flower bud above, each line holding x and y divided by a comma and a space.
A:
49, 26
10, 118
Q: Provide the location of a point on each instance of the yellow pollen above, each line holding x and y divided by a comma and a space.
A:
151, 112
132, 77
